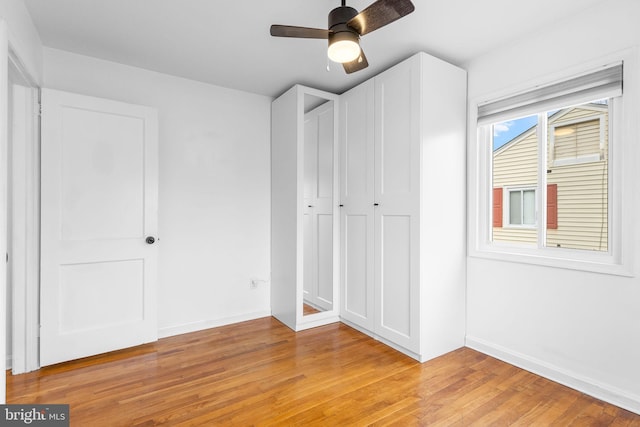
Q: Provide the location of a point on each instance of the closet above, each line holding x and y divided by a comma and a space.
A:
400, 202
403, 216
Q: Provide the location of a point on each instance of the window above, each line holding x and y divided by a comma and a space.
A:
578, 141
575, 147
546, 173
522, 207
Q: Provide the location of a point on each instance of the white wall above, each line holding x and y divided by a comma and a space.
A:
579, 328
214, 199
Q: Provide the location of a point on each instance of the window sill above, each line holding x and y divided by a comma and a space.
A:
603, 263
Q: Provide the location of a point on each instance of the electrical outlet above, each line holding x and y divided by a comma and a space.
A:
254, 282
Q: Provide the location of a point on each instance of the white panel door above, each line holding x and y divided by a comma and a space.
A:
397, 199
356, 198
99, 213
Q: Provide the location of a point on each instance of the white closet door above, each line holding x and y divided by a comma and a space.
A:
396, 216
356, 196
99, 211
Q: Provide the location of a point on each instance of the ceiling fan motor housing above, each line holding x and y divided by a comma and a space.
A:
339, 30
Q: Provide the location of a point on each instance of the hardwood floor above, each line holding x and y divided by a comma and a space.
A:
261, 373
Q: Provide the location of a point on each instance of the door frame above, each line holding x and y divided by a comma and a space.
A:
27, 348
24, 231
4, 85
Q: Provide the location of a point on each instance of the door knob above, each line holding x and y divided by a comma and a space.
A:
150, 240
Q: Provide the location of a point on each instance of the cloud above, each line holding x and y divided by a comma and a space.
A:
503, 127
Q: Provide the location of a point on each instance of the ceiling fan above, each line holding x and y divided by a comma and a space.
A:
346, 26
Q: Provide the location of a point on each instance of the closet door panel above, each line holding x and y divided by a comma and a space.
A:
395, 278
356, 184
394, 132
357, 282
397, 281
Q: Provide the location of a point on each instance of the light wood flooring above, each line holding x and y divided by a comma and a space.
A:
261, 373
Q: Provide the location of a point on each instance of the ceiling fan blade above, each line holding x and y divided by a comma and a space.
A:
358, 64
379, 14
300, 32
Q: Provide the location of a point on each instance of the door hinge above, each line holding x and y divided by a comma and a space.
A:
7, 258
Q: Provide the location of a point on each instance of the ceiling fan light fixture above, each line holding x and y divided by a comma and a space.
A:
343, 47
345, 27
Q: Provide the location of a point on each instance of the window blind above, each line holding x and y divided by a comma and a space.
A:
604, 83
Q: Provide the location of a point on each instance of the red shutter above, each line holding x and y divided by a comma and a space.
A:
497, 207
552, 206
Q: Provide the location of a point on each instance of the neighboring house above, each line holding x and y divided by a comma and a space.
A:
577, 182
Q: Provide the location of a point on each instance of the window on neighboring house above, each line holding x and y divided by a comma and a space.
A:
522, 207
580, 140
556, 138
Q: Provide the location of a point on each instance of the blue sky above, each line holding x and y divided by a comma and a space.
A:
506, 131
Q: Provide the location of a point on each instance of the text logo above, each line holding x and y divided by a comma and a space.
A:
34, 415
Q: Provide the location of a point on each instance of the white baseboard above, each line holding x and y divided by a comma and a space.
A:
206, 324
578, 382
9, 363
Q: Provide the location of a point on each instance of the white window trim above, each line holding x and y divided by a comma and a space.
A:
506, 207
623, 174
590, 158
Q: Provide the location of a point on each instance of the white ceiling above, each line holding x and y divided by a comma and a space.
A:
228, 43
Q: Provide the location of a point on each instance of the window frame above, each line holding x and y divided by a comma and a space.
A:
618, 260
506, 207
